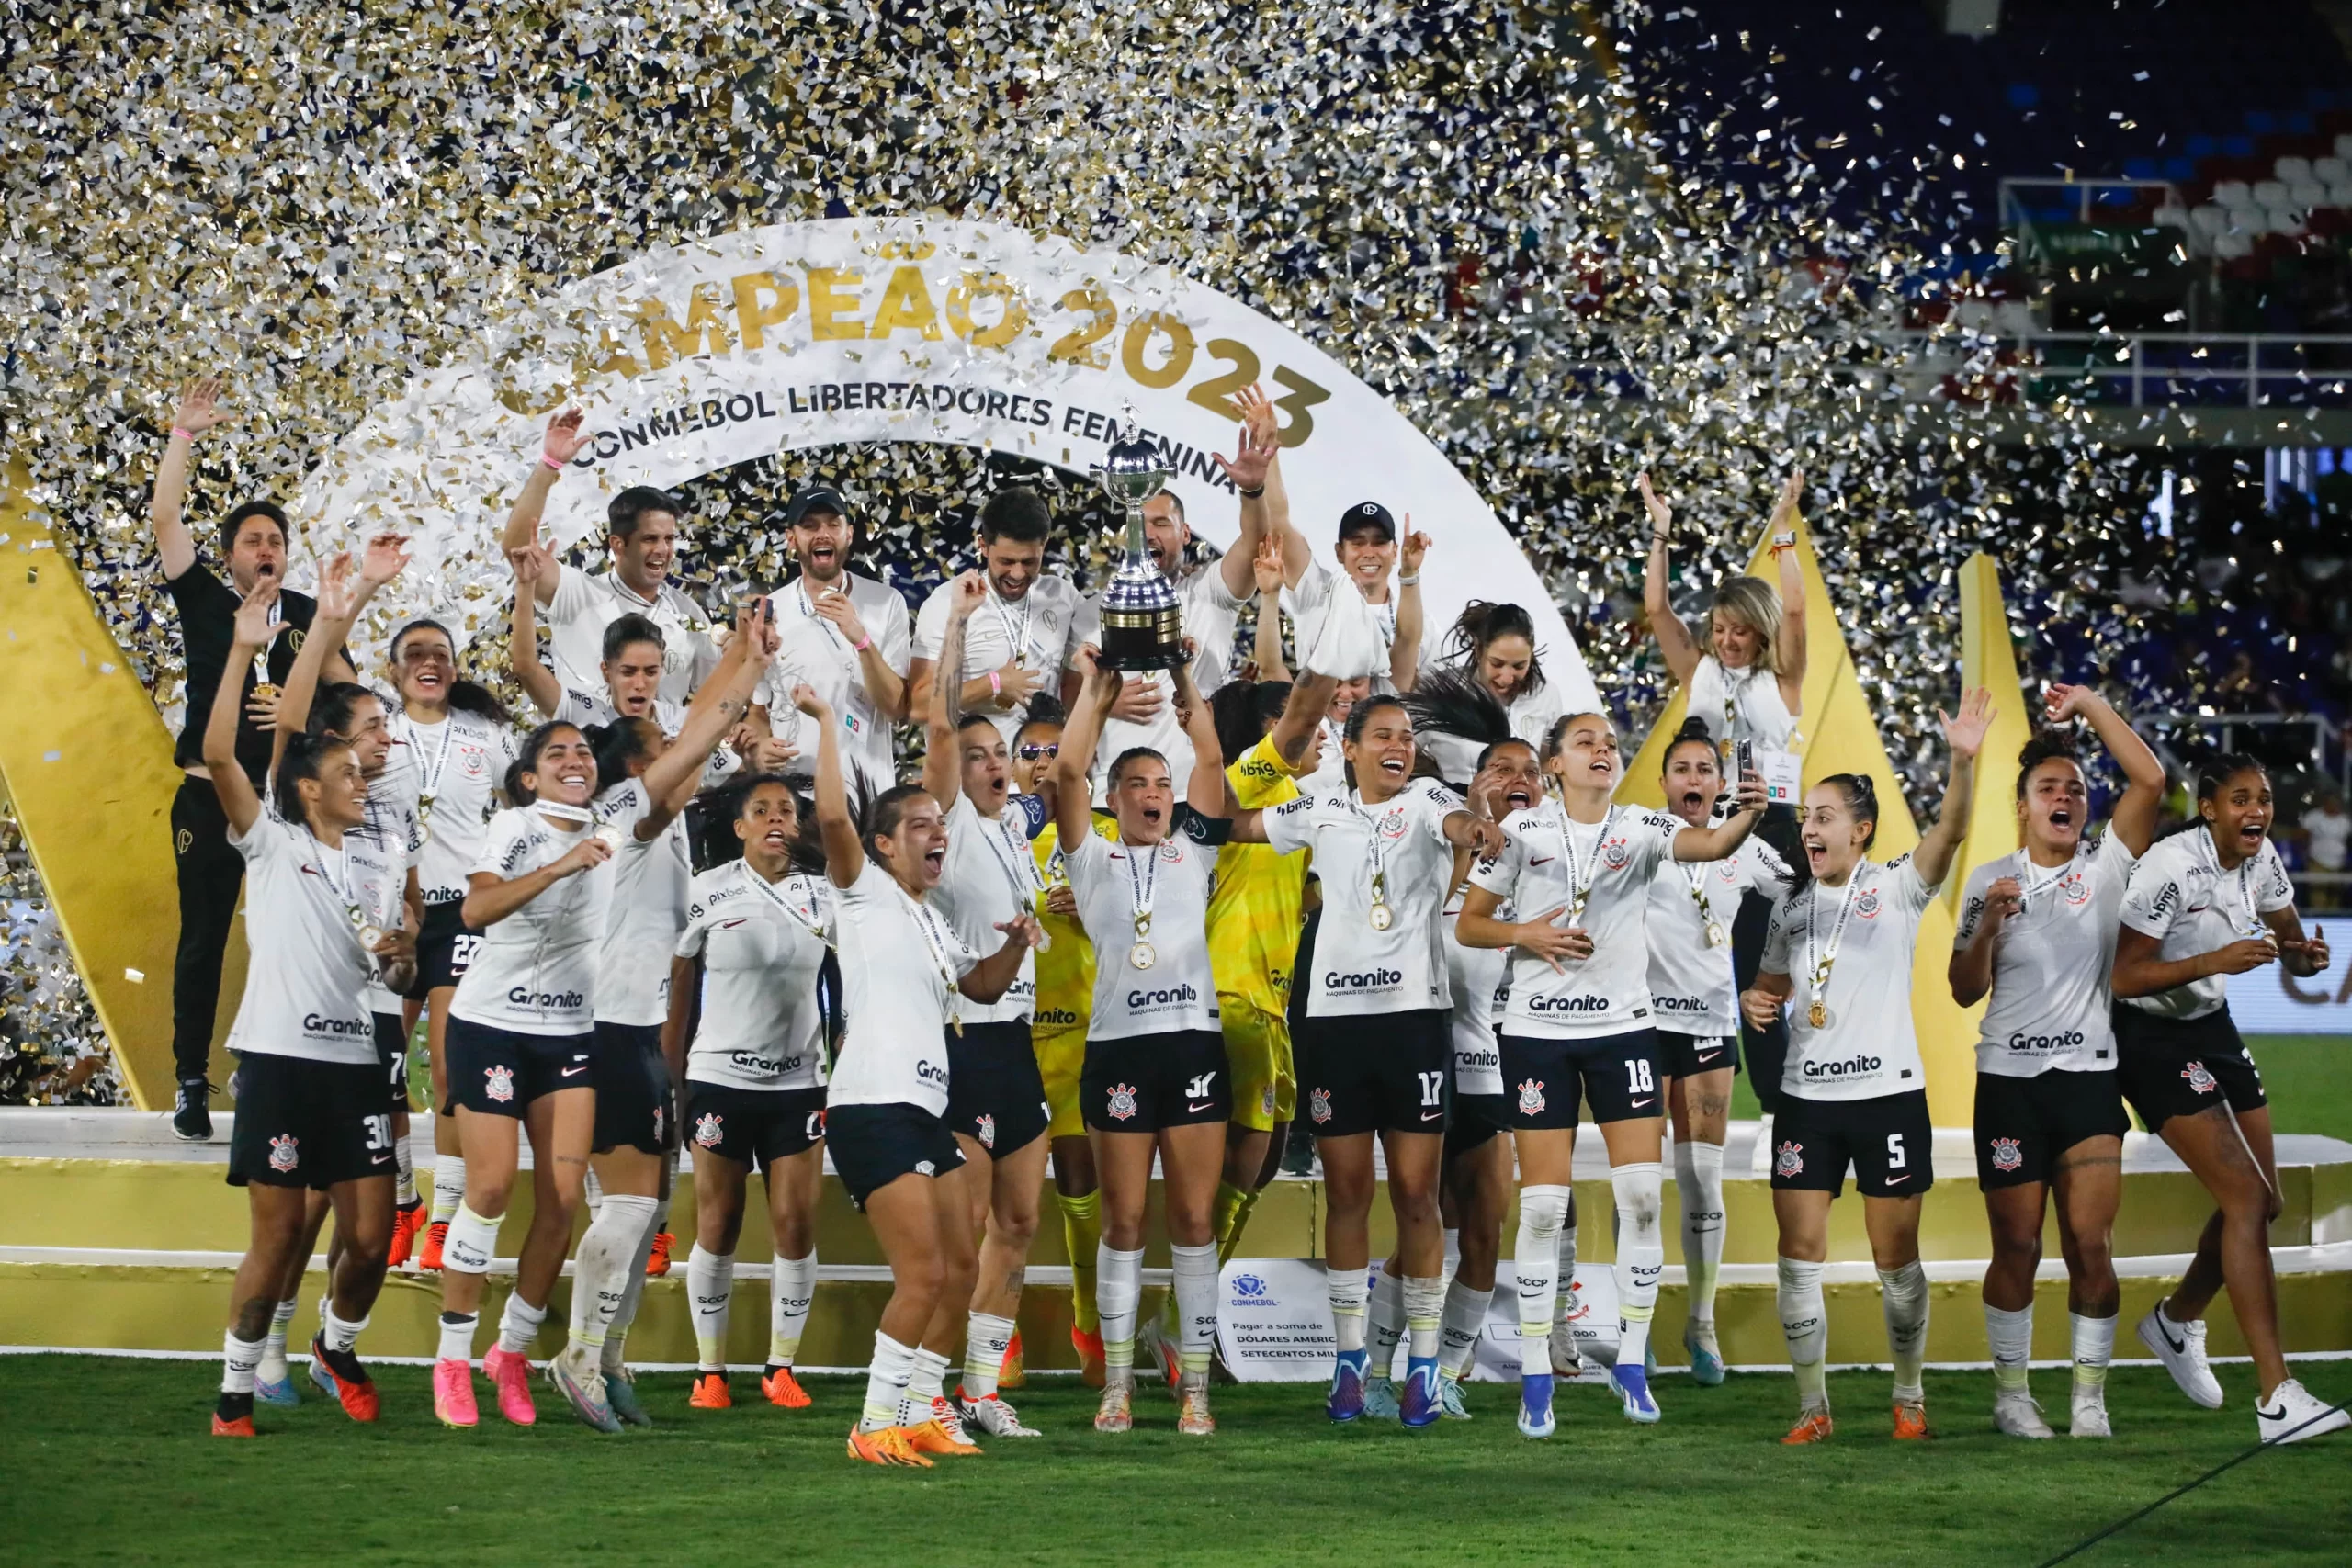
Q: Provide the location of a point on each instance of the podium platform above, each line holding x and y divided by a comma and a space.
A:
114, 1238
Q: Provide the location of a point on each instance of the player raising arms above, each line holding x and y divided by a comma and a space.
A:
2037, 933
524, 1054
1697, 1011
2203, 905
1579, 1026
905, 978
1838, 954
1155, 1080
996, 1095
755, 1076
1376, 1048
321, 914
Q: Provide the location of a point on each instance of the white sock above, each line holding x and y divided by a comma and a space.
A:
986, 1339
1805, 1323
632, 1293
1453, 1254
339, 1334
1565, 1302
1903, 1293
1641, 1254
926, 1380
1424, 1310
2010, 1336
1699, 1177
600, 1270
1349, 1293
1463, 1320
1195, 1294
1118, 1289
1759, 1156
886, 1384
1384, 1321
710, 1288
592, 1194
238, 1359
2094, 1347
273, 1344
457, 1335
791, 1287
1535, 1268
403, 1173
519, 1325
448, 1186
471, 1242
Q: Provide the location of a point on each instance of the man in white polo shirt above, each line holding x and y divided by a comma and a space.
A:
843, 634
641, 536
1022, 638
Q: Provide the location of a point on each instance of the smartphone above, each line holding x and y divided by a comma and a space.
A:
1744, 759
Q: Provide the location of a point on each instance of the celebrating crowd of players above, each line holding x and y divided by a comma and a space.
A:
1067, 951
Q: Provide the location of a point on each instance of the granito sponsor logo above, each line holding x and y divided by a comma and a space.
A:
770, 1066
1680, 1004
1567, 1004
523, 997
317, 1023
1053, 1017
1336, 981
927, 1071
2071, 1040
1167, 997
1482, 1056
1846, 1068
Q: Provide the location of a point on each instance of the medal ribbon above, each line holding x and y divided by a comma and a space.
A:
807, 921
1373, 857
938, 946
1819, 967
1144, 889
1581, 878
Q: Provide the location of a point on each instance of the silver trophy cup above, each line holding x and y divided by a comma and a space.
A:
1142, 627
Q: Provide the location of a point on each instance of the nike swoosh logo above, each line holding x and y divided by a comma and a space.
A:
2262, 1415
1431, 1115
1637, 1104
1892, 1179
1191, 1110
1546, 859
2176, 1346
574, 1072
380, 1159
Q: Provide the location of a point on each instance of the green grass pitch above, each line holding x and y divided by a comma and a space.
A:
111, 1462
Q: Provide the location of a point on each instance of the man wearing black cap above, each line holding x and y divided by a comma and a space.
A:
641, 536
843, 634
210, 871
1366, 552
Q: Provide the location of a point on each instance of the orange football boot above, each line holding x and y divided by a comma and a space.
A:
657, 1258
782, 1389
1813, 1426
710, 1392
887, 1446
1911, 1423
407, 1224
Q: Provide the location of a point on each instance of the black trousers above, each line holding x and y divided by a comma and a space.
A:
1765, 1050
210, 875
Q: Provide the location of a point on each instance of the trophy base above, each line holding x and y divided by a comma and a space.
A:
1135, 642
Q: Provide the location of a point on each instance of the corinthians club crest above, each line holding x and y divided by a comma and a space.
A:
283, 1155
707, 1133
1789, 1160
1121, 1106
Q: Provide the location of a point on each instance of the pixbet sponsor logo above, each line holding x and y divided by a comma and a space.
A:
1849, 1068
2069, 1041
316, 1023
1368, 980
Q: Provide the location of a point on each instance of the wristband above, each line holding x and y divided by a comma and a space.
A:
1253, 495
996, 685
179, 432
867, 642
550, 462
1408, 579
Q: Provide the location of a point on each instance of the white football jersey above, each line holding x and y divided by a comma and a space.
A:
536, 970
1358, 968
1690, 981
1867, 1047
1170, 880
306, 981
2180, 895
2052, 973
898, 959
991, 876
454, 771
762, 944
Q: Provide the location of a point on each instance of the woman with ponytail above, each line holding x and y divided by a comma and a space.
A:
1492, 647
322, 916
2203, 905
1837, 955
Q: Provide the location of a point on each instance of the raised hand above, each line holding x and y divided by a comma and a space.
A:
2062, 702
533, 564
1266, 566
1247, 467
565, 435
1416, 547
2311, 952
833, 606
1023, 929
1486, 836
966, 594
1784, 509
2003, 898
252, 627
806, 700
1966, 733
768, 753
338, 598
1661, 515
386, 558
1749, 792
199, 409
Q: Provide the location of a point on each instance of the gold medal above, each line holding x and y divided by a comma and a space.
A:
1817, 1015
369, 936
956, 1022
1716, 935
1382, 917
613, 835
424, 819
264, 691
1142, 955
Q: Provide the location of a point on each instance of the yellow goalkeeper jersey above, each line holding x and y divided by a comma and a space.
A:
1254, 905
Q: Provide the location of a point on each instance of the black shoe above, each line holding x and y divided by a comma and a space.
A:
192, 1113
